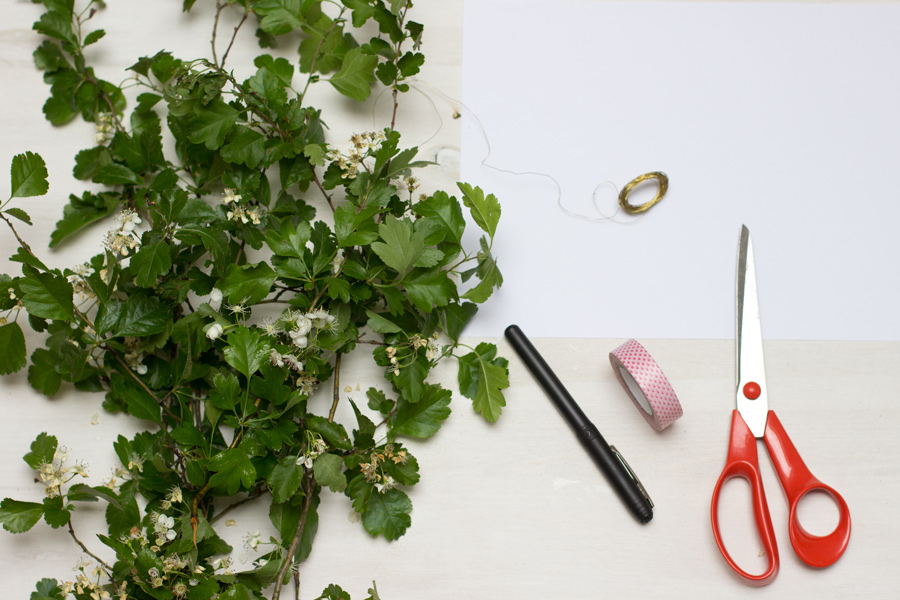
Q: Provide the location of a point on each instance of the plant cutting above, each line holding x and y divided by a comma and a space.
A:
243, 261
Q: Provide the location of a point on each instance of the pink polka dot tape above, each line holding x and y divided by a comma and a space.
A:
646, 385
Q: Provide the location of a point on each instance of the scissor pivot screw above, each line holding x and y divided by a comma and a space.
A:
752, 390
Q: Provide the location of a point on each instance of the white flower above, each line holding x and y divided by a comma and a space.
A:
302, 325
253, 540
275, 358
140, 369
305, 460
320, 318
229, 196
129, 219
293, 362
165, 521
214, 331
387, 483
215, 297
298, 339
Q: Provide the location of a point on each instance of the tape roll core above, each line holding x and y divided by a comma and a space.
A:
646, 384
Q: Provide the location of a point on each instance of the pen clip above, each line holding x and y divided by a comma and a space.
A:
632, 474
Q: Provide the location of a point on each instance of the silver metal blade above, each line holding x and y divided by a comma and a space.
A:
750, 362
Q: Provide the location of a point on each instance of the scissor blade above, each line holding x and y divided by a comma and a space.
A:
750, 362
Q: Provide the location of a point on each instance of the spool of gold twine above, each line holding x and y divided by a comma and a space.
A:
662, 182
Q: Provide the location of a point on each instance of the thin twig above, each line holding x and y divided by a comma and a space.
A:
292, 550
337, 386
233, 36
231, 507
86, 551
219, 8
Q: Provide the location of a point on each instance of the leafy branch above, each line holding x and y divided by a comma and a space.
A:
166, 320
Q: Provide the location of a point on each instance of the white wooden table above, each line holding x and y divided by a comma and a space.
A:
516, 509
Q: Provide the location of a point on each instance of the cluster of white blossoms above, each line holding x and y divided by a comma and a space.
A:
164, 528
374, 473
78, 278
237, 210
314, 449
279, 360
103, 129
124, 239
90, 586
172, 571
55, 473
133, 358
299, 326
433, 350
362, 145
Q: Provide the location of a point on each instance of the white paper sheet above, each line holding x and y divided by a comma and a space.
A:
783, 117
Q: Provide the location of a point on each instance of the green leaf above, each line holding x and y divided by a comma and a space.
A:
456, 316
246, 350
378, 401
116, 174
485, 211
47, 295
315, 153
233, 470
280, 67
94, 37
356, 227
226, 391
489, 275
141, 316
246, 146
442, 219
88, 162
356, 75
380, 323
151, 262
411, 380
19, 214
333, 433
12, 340
387, 514
285, 479
57, 25
212, 124
138, 401
19, 517
430, 289
81, 212
279, 17
334, 592
328, 469
28, 174
43, 449
482, 376
42, 373
247, 284
402, 247
423, 418
47, 589
55, 512
123, 516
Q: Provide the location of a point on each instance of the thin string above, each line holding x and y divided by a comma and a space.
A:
460, 108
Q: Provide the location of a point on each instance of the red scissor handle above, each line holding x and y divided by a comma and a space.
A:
743, 461
797, 481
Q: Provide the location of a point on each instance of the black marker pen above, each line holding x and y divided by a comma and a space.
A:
611, 463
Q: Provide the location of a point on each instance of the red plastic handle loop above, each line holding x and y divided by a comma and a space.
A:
814, 550
743, 461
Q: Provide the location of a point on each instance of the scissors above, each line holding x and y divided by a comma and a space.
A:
753, 420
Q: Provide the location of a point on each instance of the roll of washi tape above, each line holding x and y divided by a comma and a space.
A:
646, 384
